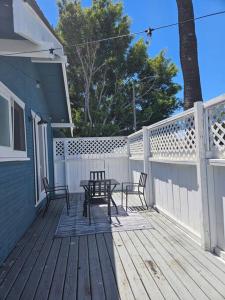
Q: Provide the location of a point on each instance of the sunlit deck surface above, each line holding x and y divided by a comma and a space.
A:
159, 263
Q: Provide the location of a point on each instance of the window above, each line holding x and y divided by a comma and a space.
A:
18, 128
4, 122
12, 126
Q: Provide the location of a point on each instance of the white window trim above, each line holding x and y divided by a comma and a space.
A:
7, 153
38, 190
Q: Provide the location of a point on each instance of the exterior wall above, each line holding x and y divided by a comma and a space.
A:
17, 193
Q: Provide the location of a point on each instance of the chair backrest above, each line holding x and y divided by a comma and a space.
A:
45, 183
99, 188
143, 179
97, 175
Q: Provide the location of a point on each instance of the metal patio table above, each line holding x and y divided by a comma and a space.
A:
114, 183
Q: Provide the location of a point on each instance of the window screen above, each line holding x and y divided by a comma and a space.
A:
4, 123
19, 130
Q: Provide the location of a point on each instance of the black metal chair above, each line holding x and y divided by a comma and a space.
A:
129, 189
54, 193
97, 191
97, 175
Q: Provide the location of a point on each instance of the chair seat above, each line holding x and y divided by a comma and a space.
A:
134, 191
54, 193
128, 188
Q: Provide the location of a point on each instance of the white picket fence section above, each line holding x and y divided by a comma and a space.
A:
184, 157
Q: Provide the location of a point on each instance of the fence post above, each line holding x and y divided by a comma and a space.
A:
202, 175
147, 168
65, 164
129, 166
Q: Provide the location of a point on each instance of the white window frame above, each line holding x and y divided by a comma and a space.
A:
7, 153
39, 194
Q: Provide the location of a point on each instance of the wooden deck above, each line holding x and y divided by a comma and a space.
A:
159, 263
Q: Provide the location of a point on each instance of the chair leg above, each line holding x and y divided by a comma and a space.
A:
85, 209
85, 205
68, 200
109, 210
89, 211
139, 194
46, 206
126, 199
145, 199
122, 196
67, 205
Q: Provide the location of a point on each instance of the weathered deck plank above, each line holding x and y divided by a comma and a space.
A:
97, 285
205, 279
84, 286
159, 263
57, 285
154, 269
111, 290
70, 287
146, 277
123, 284
24, 259
135, 281
25, 272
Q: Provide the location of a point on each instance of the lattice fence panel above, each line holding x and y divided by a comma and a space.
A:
216, 122
136, 144
175, 140
59, 150
93, 147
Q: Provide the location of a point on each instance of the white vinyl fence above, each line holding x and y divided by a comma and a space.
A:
75, 158
184, 157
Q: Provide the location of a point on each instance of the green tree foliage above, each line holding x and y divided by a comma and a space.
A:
104, 76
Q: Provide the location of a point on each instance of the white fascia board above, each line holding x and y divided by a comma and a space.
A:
24, 48
30, 26
67, 92
56, 59
62, 125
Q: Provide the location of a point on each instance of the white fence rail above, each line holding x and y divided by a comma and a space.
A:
184, 157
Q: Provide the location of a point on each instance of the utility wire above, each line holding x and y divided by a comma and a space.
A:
147, 31
189, 20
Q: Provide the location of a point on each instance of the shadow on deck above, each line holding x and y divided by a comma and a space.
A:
159, 263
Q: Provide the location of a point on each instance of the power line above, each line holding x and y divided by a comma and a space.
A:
147, 31
189, 20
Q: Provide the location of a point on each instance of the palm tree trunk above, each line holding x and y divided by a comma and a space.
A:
189, 54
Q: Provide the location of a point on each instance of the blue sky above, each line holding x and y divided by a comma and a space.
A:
154, 13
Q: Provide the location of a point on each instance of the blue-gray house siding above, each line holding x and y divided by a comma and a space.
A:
17, 179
